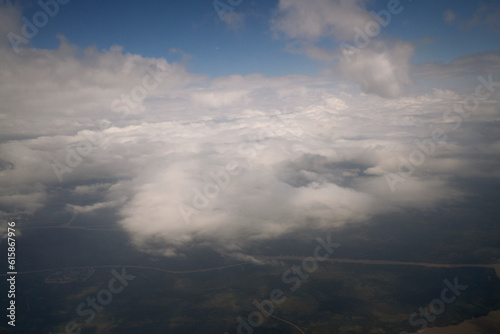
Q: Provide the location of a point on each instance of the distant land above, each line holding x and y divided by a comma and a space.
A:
70, 275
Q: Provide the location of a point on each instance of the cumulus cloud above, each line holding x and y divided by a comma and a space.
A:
362, 57
316, 19
380, 69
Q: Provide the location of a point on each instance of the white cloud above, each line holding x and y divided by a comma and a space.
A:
312, 20
214, 99
27, 202
82, 209
377, 66
379, 69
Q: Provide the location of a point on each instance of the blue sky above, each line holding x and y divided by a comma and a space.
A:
154, 28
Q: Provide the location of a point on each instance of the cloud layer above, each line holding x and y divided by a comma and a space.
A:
229, 160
